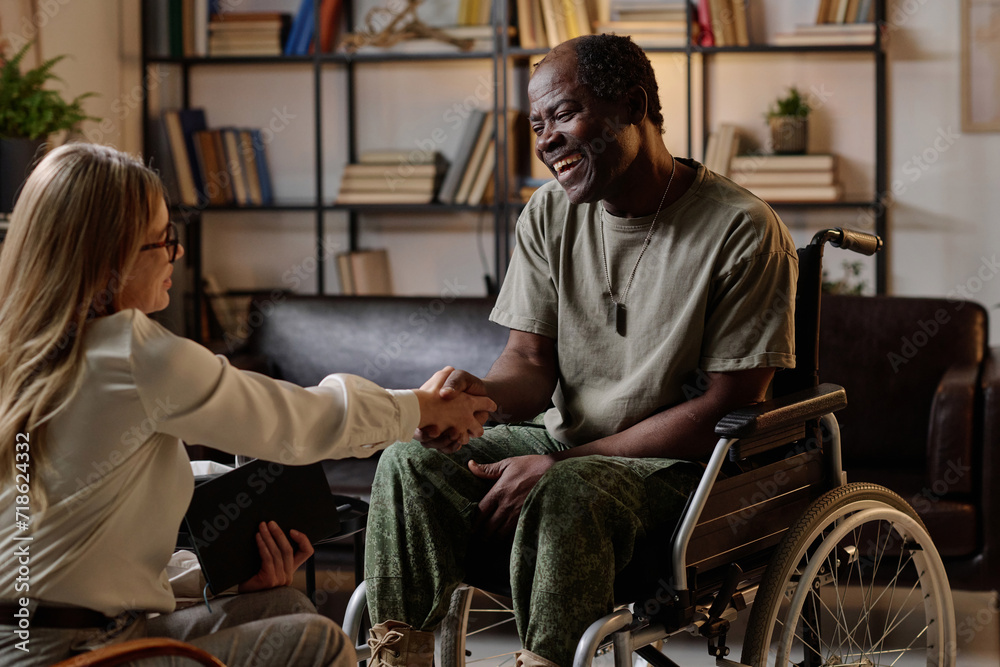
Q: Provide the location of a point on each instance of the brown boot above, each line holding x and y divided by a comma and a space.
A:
529, 659
396, 644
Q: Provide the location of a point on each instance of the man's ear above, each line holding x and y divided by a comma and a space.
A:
638, 104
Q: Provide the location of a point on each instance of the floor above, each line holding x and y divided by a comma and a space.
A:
977, 618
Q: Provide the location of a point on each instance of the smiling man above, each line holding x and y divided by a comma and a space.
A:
637, 278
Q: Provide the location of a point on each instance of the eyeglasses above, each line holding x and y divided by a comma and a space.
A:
170, 244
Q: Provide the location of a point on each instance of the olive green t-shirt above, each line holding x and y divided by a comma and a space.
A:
714, 291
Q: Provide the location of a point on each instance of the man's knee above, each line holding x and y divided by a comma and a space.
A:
320, 637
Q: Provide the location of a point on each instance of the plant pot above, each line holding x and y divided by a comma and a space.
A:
789, 134
17, 157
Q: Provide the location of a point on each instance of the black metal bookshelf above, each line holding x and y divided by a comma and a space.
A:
507, 60
322, 204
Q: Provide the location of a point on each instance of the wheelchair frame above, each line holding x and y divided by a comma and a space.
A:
815, 548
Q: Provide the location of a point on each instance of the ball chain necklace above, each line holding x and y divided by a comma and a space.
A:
617, 311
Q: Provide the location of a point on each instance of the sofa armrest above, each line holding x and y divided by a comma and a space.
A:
780, 413
951, 430
990, 390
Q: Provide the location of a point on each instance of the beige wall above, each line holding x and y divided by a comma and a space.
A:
944, 239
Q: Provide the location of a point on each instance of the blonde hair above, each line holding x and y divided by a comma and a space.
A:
74, 236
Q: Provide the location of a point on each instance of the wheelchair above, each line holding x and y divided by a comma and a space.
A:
830, 572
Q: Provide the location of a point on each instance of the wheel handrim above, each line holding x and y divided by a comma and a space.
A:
843, 648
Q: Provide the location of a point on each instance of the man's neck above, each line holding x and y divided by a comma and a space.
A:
645, 181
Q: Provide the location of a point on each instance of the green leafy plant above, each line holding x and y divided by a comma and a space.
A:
791, 105
27, 109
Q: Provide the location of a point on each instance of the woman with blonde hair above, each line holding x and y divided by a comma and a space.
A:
95, 400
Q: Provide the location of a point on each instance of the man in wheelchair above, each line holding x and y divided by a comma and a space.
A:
637, 277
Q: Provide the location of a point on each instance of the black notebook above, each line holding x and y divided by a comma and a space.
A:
226, 511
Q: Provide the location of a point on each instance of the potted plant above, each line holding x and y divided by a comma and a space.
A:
789, 121
29, 113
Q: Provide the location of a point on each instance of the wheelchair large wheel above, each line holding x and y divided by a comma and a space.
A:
856, 581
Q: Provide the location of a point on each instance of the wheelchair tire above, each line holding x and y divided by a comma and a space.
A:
454, 627
877, 588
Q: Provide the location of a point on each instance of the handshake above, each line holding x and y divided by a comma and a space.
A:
453, 408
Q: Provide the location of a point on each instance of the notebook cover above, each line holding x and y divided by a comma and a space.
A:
226, 510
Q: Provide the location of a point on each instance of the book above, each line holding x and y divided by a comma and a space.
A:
234, 166
761, 177
263, 172
720, 19
181, 125
370, 272
823, 10
826, 38
797, 193
384, 197
225, 512
813, 162
705, 35
330, 13
391, 170
485, 175
344, 273
851, 14
841, 11
301, 31
406, 156
835, 29
217, 185
486, 134
453, 176
624, 27
741, 30
527, 25
866, 12
248, 158
423, 184
554, 21
577, 18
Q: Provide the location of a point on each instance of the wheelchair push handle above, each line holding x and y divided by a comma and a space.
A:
849, 239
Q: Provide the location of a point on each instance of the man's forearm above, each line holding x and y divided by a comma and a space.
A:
521, 386
685, 431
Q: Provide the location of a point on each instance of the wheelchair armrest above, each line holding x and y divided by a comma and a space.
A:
782, 412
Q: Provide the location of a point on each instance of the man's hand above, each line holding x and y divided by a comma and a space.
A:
501, 506
449, 384
278, 560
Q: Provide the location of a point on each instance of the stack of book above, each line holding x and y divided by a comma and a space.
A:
247, 33
364, 273
788, 178
392, 177
646, 10
217, 167
723, 23
838, 22
666, 33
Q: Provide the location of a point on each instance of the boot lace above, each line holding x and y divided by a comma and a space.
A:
378, 645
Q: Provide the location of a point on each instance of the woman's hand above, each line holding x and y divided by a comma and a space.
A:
453, 408
278, 560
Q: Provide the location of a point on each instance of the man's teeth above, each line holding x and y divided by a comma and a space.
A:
565, 162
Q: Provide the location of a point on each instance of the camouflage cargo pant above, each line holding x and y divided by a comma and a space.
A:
577, 529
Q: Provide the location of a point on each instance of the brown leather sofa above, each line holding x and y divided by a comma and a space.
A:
923, 392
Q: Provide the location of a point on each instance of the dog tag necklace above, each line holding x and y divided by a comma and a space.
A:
617, 313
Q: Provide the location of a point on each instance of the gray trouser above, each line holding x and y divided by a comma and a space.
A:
277, 627
578, 528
